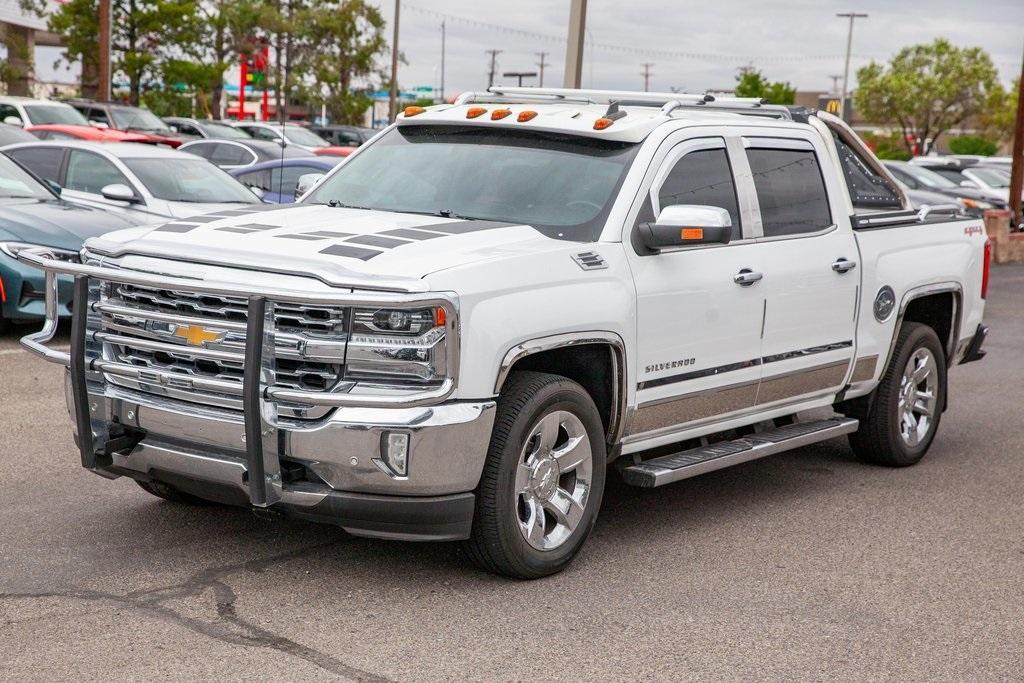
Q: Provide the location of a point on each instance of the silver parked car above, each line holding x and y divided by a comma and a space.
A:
146, 182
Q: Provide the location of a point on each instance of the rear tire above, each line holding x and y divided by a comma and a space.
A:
169, 493
543, 479
903, 414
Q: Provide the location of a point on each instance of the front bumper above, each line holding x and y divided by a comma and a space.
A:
24, 289
330, 469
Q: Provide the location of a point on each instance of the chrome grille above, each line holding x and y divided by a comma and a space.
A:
130, 318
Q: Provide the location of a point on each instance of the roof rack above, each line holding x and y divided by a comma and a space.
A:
667, 101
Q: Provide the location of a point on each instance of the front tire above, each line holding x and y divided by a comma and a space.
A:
543, 479
903, 416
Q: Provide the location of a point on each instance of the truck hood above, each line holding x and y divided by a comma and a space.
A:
340, 246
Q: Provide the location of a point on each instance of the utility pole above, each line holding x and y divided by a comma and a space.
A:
835, 84
103, 89
852, 16
520, 75
1017, 170
494, 65
647, 75
542, 63
574, 48
442, 60
393, 100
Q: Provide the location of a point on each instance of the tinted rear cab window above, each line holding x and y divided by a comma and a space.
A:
790, 191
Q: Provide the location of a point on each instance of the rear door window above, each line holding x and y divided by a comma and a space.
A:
97, 115
45, 162
790, 190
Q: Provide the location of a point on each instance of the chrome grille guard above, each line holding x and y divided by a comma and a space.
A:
259, 396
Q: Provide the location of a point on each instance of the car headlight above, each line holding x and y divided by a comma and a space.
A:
12, 248
398, 346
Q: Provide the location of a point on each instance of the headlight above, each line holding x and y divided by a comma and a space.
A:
12, 248
398, 346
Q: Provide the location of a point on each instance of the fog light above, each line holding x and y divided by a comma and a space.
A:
394, 449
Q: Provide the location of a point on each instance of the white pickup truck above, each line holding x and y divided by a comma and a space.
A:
455, 334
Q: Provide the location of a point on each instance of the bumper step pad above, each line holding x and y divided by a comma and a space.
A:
685, 464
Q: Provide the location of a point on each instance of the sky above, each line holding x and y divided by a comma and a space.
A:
693, 45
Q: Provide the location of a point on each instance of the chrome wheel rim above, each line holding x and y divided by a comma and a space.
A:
553, 480
919, 391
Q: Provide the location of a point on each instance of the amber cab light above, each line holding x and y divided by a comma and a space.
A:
474, 112
413, 111
525, 116
499, 114
603, 123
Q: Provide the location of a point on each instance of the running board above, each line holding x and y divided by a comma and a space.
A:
686, 464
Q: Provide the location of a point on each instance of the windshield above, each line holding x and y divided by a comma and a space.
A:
928, 178
222, 132
15, 182
301, 136
992, 177
44, 114
189, 180
139, 119
562, 185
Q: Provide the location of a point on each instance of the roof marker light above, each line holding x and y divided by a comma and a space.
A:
603, 123
413, 111
474, 112
525, 116
499, 114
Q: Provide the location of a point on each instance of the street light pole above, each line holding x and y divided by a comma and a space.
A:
574, 48
846, 70
393, 99
442, 60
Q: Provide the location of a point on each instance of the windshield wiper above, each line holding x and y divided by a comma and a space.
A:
335, 204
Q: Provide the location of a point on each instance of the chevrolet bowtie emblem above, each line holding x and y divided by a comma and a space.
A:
197, 335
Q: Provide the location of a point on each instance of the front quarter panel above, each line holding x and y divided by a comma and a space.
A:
506, 302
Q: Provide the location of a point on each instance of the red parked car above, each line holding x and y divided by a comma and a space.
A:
130, 119
338, 151
59, 131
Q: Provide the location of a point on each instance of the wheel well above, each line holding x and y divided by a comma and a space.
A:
935, 311
592, 366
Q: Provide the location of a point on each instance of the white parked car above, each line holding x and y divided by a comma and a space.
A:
297, 136
146, 182
26, 111
455, 334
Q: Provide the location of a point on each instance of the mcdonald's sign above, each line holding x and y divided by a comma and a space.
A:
830, 104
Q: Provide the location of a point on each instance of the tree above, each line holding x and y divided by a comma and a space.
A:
144, 32
345, 41
750, 82
927, 90
973, 144
1000, 112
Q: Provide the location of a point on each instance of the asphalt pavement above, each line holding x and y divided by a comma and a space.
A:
805, 565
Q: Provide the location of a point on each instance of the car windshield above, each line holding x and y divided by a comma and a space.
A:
189, 180
15, 182
220, 131
139, 119
301, 136
44, 114
992, 177
560, 184
928, 178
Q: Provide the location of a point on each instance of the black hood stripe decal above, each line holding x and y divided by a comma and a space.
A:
377, 241
351, 252
412, 234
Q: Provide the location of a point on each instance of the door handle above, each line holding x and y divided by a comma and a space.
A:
843, 266
747, 277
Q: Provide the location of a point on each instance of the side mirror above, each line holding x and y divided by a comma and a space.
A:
307, 181
13, 121
118, 192
684, 225
258, 191
55, 187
